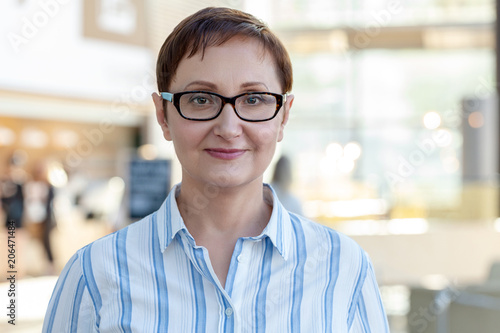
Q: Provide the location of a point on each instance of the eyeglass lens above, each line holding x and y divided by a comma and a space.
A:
200, 105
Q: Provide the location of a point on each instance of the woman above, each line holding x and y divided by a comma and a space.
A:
221, 254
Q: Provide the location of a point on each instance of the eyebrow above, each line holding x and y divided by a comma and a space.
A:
212, 86
253, 84
205, 84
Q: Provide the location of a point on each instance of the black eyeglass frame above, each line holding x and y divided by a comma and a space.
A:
175, 98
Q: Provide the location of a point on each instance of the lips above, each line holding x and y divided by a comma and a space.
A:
225, 154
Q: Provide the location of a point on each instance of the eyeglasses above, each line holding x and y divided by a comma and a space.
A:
202, 105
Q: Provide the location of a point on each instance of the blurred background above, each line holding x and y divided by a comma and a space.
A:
393, 140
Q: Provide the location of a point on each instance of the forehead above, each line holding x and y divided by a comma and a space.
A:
236, 61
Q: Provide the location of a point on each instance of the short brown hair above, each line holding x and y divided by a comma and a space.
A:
214, 26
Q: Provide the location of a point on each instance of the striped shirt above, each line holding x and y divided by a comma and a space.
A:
297, 276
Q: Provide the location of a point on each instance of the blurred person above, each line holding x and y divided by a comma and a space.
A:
12, 181
281, 182
39, 197
12, 195
221, 254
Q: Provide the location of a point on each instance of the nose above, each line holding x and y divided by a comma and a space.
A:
228, 125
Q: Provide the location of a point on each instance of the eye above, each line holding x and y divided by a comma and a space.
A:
253, 99
201, 99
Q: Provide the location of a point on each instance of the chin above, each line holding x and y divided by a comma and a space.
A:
227, 181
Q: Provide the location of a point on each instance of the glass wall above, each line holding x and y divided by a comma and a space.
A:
401, 114
378, 113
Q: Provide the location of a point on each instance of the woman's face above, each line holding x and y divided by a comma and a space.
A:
225, 151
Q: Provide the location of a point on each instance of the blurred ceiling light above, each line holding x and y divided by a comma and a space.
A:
443, 138
7, 136
112, 195
410, 226
327, 166
334, 150
34, 138
432, 120
345, 165
65, 138
57, 176
148, 152
476, 119
352, 150
116, 184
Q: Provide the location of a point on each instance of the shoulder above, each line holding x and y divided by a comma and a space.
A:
102, 251
134, 229
327, 249
333, 256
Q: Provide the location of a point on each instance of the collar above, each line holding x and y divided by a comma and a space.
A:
278, 229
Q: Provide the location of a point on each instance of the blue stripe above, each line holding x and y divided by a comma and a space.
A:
333, 268
123, 273
168, 222
160, 278
57, 295
76, 304
363, 314
201, 264
200, 307
228, 321
231, 274
88, 273
357, 289
202, 267
265, 277
298, 273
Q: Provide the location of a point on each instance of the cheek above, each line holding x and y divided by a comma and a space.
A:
185, 137
266, 135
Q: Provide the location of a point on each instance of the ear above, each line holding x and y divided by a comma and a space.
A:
286, 114
161, 116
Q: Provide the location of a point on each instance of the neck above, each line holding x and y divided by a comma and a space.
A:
210, 211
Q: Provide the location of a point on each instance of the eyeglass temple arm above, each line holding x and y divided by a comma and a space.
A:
166, 95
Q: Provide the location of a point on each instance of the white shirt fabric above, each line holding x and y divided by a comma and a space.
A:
297, 276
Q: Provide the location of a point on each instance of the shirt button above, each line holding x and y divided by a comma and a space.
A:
229, 312
240, 258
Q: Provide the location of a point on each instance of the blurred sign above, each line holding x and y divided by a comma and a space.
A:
116, 20
149, 186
